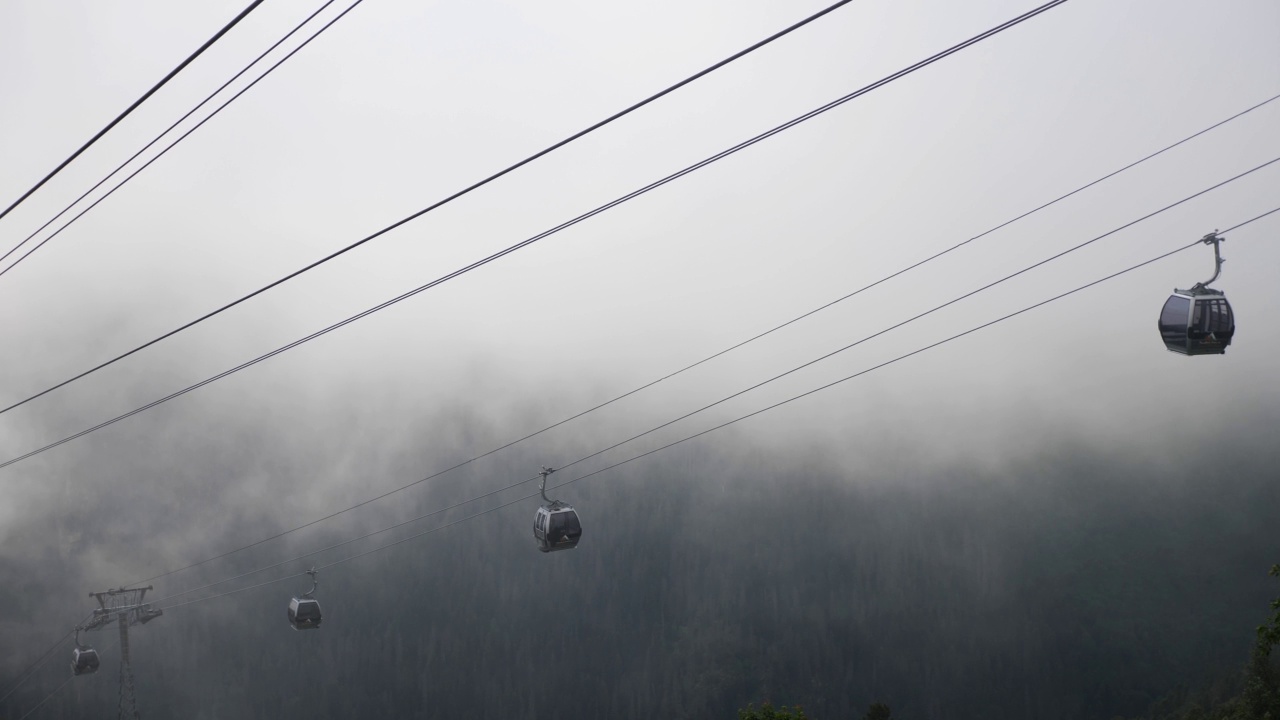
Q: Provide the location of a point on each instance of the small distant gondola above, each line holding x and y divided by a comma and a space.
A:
84, 659
304, 611
1199, 321
556, 525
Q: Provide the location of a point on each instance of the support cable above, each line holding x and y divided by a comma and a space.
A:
464, 191
814, 113
525, 243
781, 403
706, 359
706, 431
46, 699
785, 126
32, 667
710, 405
136, 103
171, 145
358, 316
155, 140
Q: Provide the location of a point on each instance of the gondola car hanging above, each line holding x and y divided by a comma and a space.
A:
84, 659
1199, 321
304, 611
556, 525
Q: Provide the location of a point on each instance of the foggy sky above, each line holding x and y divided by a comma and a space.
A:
401, 104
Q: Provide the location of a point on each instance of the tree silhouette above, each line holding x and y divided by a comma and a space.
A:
767, 712
878, 711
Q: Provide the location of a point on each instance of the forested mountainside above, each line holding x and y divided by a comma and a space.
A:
1252, 693
1078, 584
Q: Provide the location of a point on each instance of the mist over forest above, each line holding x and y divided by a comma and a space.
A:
1075, 582
1051, 517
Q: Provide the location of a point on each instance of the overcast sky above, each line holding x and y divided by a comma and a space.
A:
402, 103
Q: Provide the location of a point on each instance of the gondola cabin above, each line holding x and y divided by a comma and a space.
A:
84, 660
1197, 322
304, 613
556, 527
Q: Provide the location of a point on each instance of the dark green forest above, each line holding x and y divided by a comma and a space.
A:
1253, 694
1080, 583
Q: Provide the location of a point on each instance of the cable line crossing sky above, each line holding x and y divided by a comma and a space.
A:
663, 447
525, 243
166, 131
695, 364
199, 51
388, 228
406, 99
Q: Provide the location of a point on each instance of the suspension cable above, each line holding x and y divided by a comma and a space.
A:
687, 415
708, 358
728, 423
171, 145
388, 303
714, 428
525, 243
136, 103
157, 139
397, 224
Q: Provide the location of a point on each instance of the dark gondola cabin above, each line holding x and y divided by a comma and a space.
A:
556, 527
1197, 322
84, 660
304, 613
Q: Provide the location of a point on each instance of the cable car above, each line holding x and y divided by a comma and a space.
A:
556, 525
304, 611
1199, 321
84, 659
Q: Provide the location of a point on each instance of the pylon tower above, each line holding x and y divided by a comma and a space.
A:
123, 606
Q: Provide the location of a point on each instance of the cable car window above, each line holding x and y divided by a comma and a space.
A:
1174, 314
1221, 317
